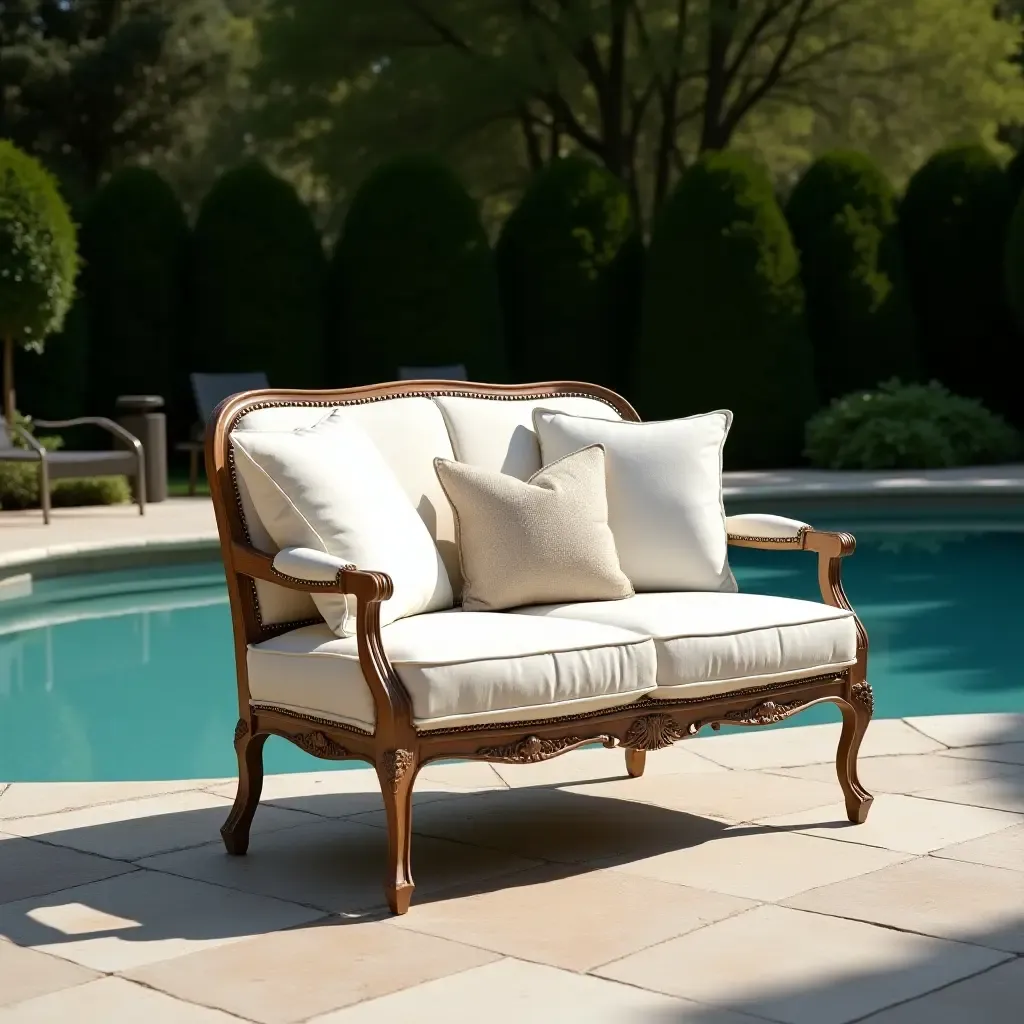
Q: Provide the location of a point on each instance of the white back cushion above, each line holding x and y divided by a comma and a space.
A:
499, 434
328, 487
664, 484
410, 433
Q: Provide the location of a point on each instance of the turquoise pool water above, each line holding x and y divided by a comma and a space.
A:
130, 675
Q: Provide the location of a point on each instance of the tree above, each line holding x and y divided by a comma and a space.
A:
723, 311
953, 221
87, 84
413, 279
843, 217
257, 275
642, 85
569, 261
38, 259
134, 242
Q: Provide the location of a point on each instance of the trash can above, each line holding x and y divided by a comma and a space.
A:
140, 415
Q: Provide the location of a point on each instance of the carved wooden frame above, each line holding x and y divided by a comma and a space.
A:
396, 749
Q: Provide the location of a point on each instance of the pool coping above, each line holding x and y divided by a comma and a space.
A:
800, 493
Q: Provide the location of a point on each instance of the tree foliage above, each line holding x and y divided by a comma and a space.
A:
134, 241
843, 217
723, 322
38, 250
257, 275
953, 221
413, 280
88, 84
641, 85
569, 264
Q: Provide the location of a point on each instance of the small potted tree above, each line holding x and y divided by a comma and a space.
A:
38, 260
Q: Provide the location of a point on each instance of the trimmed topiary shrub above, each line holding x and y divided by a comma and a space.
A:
916, 426
842, 214
570, 270
723, 323
134, 241
256, 282
412, 278
954, 221
38, 259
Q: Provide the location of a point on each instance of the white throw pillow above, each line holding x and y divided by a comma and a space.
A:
664, 494
328, 487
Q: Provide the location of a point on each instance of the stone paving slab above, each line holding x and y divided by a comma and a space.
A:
720, 888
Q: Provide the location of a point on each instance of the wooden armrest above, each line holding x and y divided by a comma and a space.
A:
775, 533
363, 584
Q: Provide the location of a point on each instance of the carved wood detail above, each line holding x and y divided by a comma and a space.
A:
241, 729
765, 713
864, 695
652, 732
319, 744
396, 764
533, 748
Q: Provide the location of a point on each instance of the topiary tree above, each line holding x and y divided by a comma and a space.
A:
953, 221
723, 305
38, 259
412, 278
570, 270
842, 214
134, 241
256, 282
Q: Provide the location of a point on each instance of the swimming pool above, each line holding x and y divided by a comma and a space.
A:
101, 675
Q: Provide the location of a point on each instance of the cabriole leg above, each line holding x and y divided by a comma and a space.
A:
249, 748
396, 770
856, 716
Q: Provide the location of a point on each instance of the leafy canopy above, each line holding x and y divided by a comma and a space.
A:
501, 88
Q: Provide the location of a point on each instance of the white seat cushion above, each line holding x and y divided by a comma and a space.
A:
664, 494
460, 668
713, 643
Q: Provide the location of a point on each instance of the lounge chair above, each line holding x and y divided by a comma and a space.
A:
209, 389
129, 461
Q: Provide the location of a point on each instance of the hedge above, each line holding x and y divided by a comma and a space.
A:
842, 214
412, 279
723, 323
256, 282
135, 242
953, 221
570, 269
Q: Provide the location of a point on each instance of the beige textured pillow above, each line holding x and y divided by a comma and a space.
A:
540, 541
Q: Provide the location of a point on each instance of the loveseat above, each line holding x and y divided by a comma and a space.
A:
511, 686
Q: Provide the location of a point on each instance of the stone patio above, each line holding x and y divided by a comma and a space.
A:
723, 887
